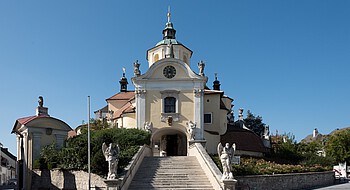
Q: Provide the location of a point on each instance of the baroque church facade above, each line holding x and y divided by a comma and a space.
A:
171, 101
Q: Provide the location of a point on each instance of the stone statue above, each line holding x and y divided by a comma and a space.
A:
191, 129
111, 154
137, 71
241, 114
201, 66
230, 117
226, 154
41, 101
169, 52
266, 132
148, 126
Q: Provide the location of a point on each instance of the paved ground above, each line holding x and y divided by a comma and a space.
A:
337, 186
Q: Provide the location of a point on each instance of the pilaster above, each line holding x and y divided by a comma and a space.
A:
198, 112
141, 106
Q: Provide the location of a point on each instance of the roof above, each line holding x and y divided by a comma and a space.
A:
128, 107
103, 110
166, 42
207, 91
9, 154
244, 139
26, 120
122, 96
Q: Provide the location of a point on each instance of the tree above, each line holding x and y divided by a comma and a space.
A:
73, 155
338, 146
255, 123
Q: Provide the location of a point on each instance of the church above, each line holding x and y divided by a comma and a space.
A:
172, 101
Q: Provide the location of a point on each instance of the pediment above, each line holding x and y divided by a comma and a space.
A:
183, 71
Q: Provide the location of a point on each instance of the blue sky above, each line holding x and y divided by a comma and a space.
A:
287, 61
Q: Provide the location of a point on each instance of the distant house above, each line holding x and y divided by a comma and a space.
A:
8, 165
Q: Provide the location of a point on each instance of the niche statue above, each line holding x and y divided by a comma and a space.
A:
226, 154
111, 154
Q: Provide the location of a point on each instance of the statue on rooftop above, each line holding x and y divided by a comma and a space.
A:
137, 71
226, 154
41, 101
201, 66
111, 154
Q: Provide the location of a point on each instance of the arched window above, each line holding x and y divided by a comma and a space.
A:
155, 58
169, 105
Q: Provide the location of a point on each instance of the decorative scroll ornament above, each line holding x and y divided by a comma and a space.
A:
198, 92
140, 93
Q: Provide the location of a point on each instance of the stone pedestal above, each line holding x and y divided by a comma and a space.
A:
229, 184
113, 184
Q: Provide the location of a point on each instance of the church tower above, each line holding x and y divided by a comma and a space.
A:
169, 96
169, 47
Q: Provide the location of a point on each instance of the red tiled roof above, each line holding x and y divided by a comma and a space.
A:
245, 140
126, 108
122, 96
72, 134
25, 120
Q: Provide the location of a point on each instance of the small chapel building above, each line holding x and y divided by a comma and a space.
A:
33, 133
171, 100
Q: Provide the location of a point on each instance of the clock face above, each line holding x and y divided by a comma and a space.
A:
169, 71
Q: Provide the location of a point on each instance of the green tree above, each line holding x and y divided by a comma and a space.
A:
255, 123
338, 146
74, 153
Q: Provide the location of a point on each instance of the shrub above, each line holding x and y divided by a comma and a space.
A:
259, 166
74, 153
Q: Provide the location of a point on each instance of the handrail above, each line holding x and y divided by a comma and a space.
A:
130, 170
214, 171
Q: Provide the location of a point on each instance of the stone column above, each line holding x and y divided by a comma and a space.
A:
18, 140
140, 105
199, 113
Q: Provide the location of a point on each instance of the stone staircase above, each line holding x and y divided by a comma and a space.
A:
173, 172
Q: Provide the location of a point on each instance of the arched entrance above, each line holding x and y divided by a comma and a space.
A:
169, 142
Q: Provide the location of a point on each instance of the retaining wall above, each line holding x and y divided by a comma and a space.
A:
68, 180
286, 181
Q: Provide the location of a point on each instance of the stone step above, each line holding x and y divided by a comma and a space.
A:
179, 172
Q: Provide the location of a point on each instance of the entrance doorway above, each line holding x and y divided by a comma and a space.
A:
173, 144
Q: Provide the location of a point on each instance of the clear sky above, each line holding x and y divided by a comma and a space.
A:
287, 61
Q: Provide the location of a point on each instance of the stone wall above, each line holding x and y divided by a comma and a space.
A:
286, 181
68, 180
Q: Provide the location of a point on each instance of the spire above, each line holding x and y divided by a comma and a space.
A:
123, 83
216, 83
169, 31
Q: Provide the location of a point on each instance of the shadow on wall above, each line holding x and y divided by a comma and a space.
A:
43, 180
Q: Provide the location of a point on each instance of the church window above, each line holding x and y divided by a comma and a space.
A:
169, 105
208, 118
155, 58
